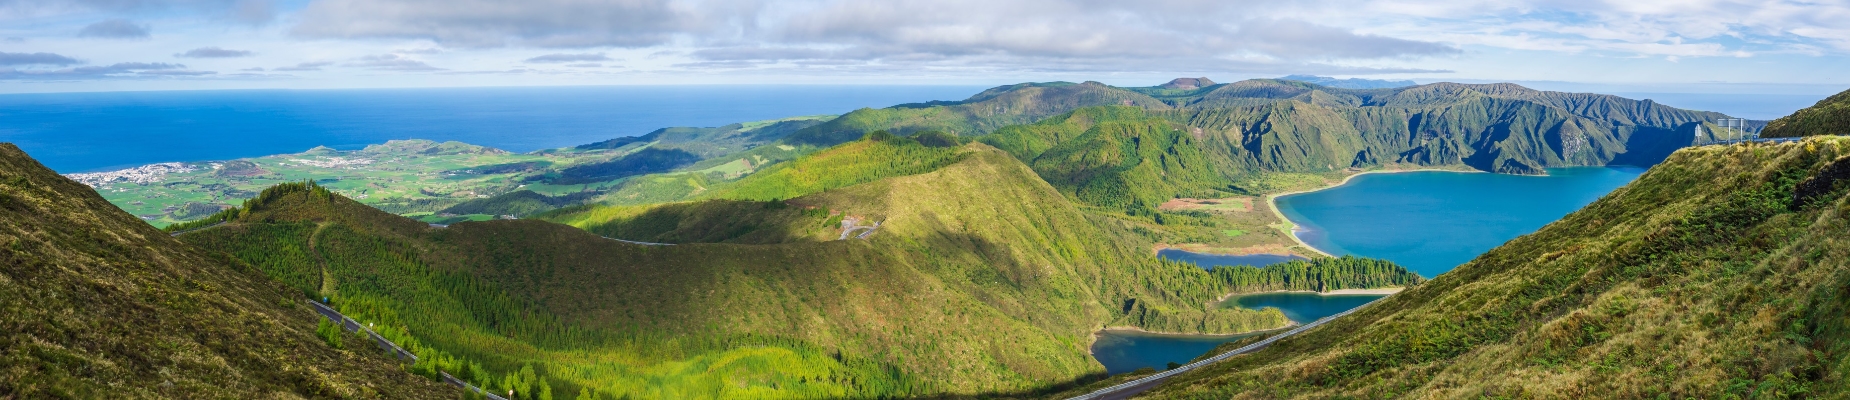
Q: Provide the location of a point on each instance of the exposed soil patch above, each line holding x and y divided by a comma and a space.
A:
1268, 248
1230, 204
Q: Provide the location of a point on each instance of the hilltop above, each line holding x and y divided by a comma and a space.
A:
972, 251
1718, 273
1830, 116
100, 305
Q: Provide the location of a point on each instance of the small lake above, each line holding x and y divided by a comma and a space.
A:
1126, 351
1433, 221
1302, 307
1209, 261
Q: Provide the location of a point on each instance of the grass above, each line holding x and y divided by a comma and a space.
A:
1700, 279
97, 304
972, 255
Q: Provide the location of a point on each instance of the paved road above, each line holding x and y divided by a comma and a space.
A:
641, 243
1132, 388
355, 326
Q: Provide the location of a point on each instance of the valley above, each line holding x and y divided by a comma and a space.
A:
995, 246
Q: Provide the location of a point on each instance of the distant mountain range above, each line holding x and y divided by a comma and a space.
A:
1351, 83
1248, 130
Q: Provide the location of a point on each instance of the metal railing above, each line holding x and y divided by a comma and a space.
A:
465, 385
354, 326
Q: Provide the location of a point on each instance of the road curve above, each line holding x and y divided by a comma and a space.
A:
1127, 389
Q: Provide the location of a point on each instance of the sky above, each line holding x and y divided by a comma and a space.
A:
1769, 46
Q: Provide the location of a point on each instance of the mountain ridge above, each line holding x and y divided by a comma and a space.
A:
99, 304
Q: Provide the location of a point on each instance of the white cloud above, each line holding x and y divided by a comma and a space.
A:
214, 52
115, 28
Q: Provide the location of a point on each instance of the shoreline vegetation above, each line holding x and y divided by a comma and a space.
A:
1288, 324
1338, 292
1291, 227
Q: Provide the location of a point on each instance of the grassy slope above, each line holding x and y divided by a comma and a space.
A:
1830, 116
1700, 279
97, 304
980, 114
983, 278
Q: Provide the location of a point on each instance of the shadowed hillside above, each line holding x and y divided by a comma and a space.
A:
97, 304
1720, 273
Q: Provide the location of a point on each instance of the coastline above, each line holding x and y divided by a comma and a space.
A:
1291, 228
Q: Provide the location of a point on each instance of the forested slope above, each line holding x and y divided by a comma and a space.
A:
1721, 273
97, 304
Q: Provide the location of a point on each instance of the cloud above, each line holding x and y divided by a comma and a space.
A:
585, 65
117, 70
254, 12
252, 69
392, 62
175, 72
307, 66
214, 52
115, 28
36, 59
565, 58
495, 23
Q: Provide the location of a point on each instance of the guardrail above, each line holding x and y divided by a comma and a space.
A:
465, 385
1198, 364
354, 326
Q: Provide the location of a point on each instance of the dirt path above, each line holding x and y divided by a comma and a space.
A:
320, 261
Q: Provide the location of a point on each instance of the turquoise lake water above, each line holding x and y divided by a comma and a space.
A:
1431, 222
1209, 261
1126, 351
1302, 307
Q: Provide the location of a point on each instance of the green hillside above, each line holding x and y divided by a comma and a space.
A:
1720, 273
980, 279
94, 303
980, 114
1830, 116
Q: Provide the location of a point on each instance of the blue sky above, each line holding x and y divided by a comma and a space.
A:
1772, 46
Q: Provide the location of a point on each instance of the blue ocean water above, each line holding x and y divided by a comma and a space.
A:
1126, 351
1209, 261
1750, 106
1431, 222
1302, 307
80, 132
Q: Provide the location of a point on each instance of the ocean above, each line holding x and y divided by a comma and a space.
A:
86, 132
